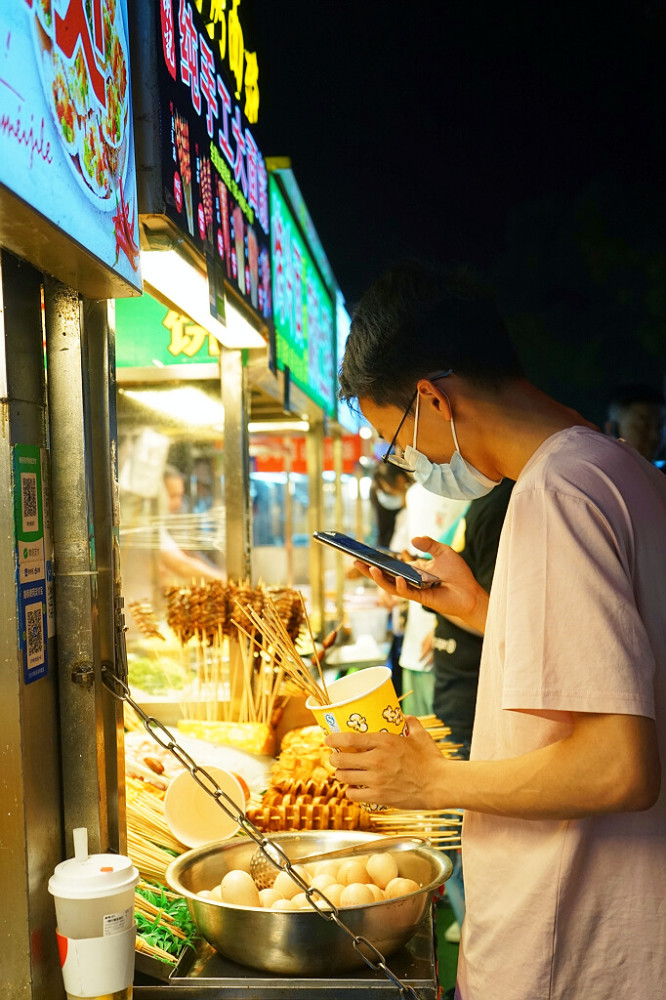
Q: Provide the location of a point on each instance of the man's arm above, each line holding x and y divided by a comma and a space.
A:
608, 763
179, 563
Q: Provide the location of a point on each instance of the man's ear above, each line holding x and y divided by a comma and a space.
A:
433, 395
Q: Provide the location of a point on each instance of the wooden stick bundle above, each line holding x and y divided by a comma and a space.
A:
145, 817
277, 644
151, 860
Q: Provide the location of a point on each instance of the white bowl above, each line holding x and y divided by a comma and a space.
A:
195, 818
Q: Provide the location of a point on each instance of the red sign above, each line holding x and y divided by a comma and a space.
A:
269, 453
168, 40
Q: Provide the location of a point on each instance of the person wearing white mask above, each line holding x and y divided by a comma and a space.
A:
387, 496
425, 512
563, 792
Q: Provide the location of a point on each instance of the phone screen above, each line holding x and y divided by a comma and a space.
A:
374, 557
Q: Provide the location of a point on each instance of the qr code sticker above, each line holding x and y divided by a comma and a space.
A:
29, 518
34, 634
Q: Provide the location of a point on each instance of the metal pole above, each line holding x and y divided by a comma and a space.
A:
76, 582
100, 396
289, 516
237, 501
314, 448
31, 832
339, 561
360, 525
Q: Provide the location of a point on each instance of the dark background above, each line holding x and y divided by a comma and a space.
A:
524, 139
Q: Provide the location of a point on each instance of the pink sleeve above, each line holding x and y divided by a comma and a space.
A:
574, 638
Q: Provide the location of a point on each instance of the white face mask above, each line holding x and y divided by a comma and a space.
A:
457, 479
390, 501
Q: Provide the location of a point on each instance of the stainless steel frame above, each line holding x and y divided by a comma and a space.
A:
314, 450
31, 833
236, 465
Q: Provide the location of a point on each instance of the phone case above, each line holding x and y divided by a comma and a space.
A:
374, 557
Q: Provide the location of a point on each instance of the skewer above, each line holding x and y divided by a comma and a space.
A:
289, 658
314, 648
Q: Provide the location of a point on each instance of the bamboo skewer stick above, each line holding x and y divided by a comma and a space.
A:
314, 649
291, 662
153, 951
312, 685
274, 693
151, 911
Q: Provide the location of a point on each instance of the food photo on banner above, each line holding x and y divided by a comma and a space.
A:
215, 178
66, 140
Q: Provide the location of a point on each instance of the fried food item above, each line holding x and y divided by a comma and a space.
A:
303, 794
253, 737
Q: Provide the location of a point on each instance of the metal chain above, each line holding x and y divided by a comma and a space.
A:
119, 689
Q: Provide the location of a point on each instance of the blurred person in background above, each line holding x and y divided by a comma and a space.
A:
425, 513
636, 415
176, 564
387, 496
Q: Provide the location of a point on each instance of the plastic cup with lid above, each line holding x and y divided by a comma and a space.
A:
94, 903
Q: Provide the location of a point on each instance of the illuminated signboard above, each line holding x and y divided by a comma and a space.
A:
214, 176
348, 418
148, 334
268, 453
302, 310
66, 133
224, 28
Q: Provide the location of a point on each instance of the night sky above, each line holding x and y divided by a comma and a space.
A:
524, 139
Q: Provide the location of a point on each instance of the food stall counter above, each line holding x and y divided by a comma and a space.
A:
205, 975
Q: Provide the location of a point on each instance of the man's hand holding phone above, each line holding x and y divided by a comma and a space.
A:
458, 594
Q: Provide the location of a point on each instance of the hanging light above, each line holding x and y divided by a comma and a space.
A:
172, 277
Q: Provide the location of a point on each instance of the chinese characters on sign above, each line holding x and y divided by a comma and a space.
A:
150, 334
225, 31
302, 310
215, 179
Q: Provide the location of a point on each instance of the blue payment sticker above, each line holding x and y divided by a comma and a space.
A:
331, 722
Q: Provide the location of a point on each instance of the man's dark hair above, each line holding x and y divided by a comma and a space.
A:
416, 321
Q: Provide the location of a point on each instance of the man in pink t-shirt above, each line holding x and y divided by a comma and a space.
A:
564, 838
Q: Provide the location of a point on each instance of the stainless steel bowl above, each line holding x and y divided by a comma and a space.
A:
301, 942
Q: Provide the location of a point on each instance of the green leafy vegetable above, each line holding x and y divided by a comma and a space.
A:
158, 932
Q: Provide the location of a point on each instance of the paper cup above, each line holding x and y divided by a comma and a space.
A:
96, 931
193, 816
362, 702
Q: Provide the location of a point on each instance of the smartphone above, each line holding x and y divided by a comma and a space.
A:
388, 564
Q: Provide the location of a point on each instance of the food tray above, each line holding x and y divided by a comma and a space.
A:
146, 966
205, 975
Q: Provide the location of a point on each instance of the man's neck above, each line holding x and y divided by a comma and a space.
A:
517, 422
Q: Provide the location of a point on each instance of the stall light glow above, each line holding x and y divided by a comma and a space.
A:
365, 482
167, 273
185, 404
365, 432
278, 426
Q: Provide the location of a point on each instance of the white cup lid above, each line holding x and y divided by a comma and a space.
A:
97, 875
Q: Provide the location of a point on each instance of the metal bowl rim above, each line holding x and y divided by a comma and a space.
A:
183, 859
